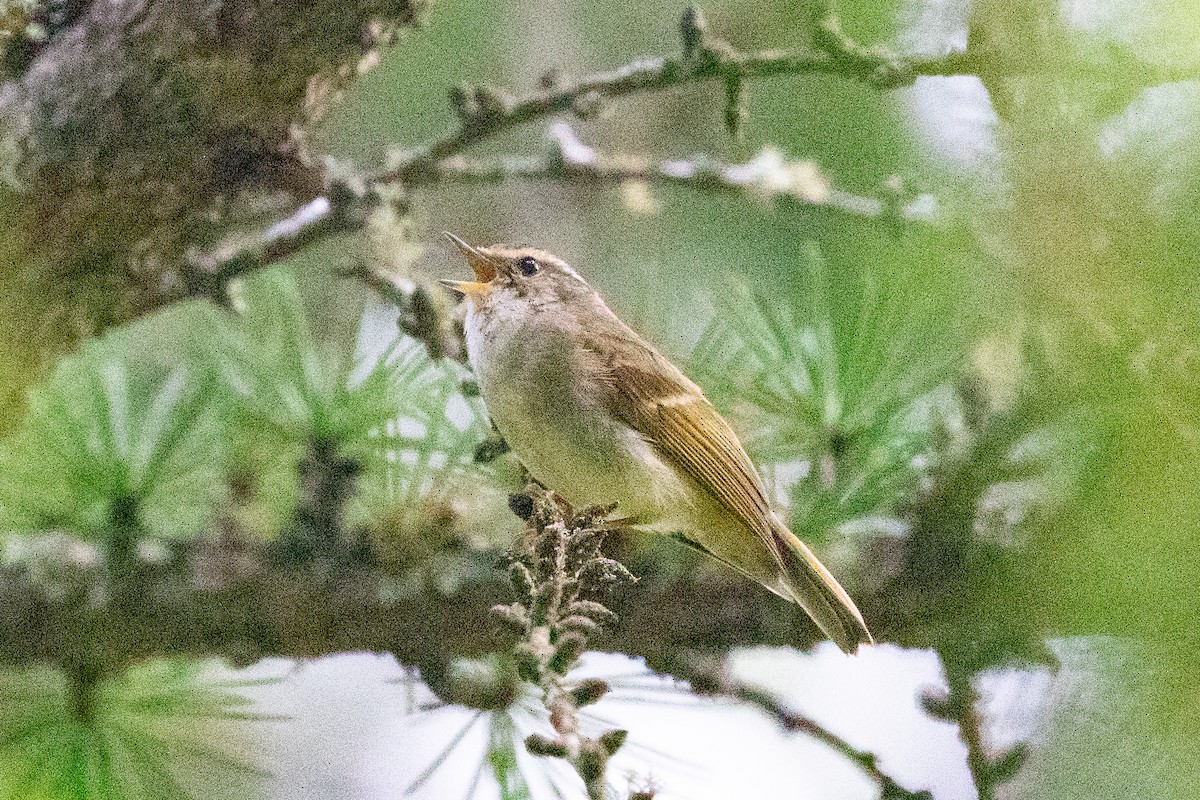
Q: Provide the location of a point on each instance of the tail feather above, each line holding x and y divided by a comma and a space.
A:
819, 594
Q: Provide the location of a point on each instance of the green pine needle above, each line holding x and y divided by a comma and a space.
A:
161, 731
402, 416
849, 376
283, 382
99, 432
505, 742
424, 455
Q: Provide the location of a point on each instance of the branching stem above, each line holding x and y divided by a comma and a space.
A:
556, 573
706, 679
768, 177
485, 112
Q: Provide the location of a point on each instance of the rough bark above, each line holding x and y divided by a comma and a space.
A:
139, 131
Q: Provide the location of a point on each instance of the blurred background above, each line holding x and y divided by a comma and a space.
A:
979, 402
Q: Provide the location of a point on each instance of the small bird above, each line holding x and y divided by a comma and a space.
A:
599, 416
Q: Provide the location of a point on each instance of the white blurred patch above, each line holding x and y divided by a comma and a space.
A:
1157, 133
459, 412
870, 700
354, 729
932, 27
955, 118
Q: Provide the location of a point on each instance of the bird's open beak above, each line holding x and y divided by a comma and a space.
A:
483, 267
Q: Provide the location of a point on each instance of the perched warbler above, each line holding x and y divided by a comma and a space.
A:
598, 415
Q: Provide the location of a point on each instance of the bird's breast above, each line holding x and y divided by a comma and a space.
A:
545, 395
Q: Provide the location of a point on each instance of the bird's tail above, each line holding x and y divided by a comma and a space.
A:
818, 593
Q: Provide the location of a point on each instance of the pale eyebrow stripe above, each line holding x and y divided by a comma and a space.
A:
565, 267
545, 256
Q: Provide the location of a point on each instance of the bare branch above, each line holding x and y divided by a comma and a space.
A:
988, 769
769, 176
486, 111
341, 210
711, 679
233, 596
709, 58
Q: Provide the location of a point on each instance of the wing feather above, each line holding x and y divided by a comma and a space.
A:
653, 397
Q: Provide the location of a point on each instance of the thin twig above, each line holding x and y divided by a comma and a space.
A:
961, 708
342, 209
705, 57
485, 111
769, 176
709, 677
793, 721
960, 705
977, 760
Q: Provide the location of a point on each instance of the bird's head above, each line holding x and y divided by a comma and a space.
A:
522, 274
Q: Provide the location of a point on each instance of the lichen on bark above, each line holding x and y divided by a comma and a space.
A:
134, 132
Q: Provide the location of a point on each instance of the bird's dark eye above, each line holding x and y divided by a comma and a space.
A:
528, 265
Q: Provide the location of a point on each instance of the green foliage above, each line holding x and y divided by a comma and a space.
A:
161, 731
285, 387
100, 432
504, 743
252, 395
848, 374
404, 418
505, 757
427, 448
500, 759
247, 399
